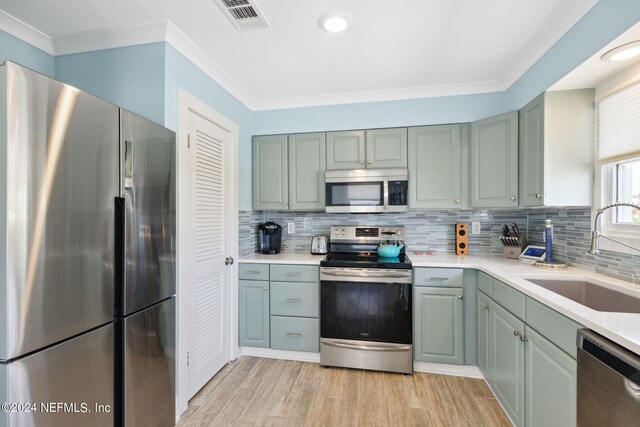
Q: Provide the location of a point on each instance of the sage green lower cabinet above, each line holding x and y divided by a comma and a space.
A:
507, 362
550, 383
438, 325
295, 333
483, 325
253, 313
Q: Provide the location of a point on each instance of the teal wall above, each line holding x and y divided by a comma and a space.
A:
602, 24
132, 77
14, 49
180, 73
447, 109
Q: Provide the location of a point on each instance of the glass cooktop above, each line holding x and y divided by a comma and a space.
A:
365, 260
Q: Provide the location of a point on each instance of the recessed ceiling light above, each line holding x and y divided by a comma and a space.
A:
620, 53
334, 22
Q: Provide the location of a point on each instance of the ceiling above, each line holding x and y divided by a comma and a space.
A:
397, 49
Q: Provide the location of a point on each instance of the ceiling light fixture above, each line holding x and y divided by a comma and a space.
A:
334, 22
620, 53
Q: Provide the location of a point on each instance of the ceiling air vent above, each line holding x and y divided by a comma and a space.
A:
243, 14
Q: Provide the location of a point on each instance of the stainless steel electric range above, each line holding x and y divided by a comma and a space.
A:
366, 306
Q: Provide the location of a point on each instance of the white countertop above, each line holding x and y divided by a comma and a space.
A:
623, 328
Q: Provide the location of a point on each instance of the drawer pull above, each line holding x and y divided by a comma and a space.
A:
437, 279
252, 272
293, 300
294, 274
294, 334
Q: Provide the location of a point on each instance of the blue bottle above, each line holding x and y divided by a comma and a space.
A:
548, 237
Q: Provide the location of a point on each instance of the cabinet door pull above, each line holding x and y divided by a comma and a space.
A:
459, 296
294, 334
293, 300
265, 288
517, 333
538, 196
524, 338
486, 307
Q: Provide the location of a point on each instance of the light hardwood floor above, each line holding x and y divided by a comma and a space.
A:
266, 392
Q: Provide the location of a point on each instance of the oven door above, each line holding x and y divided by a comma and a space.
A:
377, 310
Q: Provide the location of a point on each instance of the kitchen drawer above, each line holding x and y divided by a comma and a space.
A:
295, 333
557, 328
439, 277
484, 283
295, 273
508, 297
253, 271
295, 299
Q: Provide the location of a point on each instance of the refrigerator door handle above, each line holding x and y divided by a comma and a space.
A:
119, 254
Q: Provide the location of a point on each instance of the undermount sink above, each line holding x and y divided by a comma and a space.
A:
591, 295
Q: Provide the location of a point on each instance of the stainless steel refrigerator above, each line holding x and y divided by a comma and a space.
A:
67, 264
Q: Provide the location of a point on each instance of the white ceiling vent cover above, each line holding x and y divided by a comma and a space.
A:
243, 14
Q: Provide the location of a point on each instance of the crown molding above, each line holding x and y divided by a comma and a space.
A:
176, 38
25, 32
548, 36
399, 94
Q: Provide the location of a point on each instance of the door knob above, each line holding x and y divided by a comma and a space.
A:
232, 260
227, 261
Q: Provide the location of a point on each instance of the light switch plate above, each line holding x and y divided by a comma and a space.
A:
475, 227
291, 228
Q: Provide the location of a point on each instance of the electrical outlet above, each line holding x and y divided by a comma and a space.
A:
475, 227
291, 228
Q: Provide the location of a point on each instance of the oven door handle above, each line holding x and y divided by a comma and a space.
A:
367, 347
367, 274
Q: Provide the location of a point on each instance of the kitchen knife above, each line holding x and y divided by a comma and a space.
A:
505, 231
515, 229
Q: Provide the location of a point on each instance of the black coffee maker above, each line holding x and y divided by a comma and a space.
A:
270, 237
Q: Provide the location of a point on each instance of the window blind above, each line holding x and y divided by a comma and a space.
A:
619, 125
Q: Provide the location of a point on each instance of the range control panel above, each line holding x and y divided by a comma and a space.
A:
370, 234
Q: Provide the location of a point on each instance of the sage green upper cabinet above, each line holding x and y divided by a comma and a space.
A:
494, 162
306, 172
434, 166
288, 172
386, 148
345, 150
556, 149
270, 172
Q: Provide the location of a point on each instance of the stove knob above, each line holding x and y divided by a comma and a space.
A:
336, 231
344, 232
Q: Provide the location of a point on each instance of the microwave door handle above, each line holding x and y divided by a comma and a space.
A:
385, 195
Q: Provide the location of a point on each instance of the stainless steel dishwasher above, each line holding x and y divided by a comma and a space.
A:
608, 383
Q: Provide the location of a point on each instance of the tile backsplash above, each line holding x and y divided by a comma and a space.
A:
433, 230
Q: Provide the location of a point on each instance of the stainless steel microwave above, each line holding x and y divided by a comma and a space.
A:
367, 190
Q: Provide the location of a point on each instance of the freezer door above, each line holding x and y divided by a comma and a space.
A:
69, 384
148, 185
145, 384
59, 162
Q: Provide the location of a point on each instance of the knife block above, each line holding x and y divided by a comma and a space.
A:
513, 252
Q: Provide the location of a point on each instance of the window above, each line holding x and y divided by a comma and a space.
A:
618, 164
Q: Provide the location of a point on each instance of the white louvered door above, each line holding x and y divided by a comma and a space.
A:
209, 286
